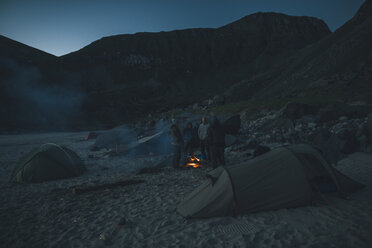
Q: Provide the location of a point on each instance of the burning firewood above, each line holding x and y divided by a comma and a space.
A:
194, 162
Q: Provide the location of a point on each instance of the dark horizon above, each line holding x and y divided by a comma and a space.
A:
60, 28
186, 28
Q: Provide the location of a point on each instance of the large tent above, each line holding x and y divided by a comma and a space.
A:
47, 162
285, 177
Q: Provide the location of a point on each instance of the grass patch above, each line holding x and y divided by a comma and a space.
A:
254, 106
173, 112
250, 106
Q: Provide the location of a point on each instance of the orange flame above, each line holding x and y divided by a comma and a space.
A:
193, 162
195, 165
194, 158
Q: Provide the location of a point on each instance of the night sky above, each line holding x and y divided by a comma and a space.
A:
63, 26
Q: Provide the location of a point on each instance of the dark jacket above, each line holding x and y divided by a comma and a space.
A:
216, 134
188, 133
176, 135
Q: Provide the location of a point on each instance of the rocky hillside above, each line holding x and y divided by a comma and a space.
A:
343, 60
155, 71
263, 60
335, 68
182, 54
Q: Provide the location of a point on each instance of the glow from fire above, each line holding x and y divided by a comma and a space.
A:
195, 165
193, 162
194, 158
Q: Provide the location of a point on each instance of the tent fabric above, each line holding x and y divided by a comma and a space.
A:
273, 180
315, 165
281, 178
212, 198
47, 162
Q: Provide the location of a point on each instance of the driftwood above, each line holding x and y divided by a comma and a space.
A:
159, 167
78, 191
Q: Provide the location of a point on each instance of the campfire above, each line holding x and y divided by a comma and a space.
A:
194, 162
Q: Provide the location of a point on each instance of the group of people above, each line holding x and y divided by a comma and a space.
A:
211, 138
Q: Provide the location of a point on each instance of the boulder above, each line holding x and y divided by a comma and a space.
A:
295, 110
351, 144
232, 124
280, 123
349, 136
319, 137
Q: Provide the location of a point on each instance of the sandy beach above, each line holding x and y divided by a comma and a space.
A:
144, 215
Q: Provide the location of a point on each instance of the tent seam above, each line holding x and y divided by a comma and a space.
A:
235, 202
303, 170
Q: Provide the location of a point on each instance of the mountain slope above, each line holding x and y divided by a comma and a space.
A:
259, 57
33, 91
147, 72
13, 54
192, 52
22, 53
338, 66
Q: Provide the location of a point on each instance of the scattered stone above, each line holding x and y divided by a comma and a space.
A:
319, 137
335, 111
278, 123
295, 110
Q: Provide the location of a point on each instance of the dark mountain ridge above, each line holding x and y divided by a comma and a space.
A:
264, 55
153, 71
22, 53
169, 56
337, 66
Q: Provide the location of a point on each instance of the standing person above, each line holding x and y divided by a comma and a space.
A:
187, 138
203, 136
216, 138
177, 142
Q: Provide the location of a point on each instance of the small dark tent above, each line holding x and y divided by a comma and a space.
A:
282, 178
47, 162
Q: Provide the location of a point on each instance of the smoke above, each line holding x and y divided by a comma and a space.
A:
157, 141
28, 103
163, 144
116, 136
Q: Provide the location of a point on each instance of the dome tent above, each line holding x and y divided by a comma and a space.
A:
47, 162
282, 178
